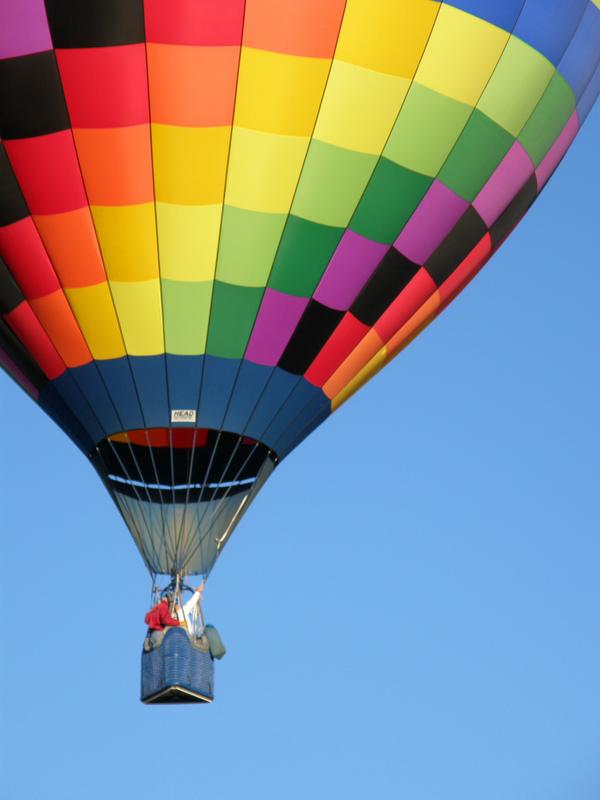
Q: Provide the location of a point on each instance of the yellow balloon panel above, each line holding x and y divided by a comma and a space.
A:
461, 55
95, 312
386, 35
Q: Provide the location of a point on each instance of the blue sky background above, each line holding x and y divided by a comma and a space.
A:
412, 605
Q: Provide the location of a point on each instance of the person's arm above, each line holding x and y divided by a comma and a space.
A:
165, 617
193, 601
189, 610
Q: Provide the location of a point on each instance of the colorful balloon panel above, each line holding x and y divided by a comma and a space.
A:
218, 218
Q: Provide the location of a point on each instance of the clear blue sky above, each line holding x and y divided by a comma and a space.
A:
411, 607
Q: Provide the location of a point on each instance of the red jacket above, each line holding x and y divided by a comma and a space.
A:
158, 618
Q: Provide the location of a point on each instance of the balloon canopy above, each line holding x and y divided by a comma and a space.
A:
219, 218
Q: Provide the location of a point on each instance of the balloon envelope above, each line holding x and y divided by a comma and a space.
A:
218, 219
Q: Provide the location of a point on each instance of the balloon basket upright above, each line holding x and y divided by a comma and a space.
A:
177, 671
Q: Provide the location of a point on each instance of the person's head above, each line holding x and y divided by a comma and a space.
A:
167, 597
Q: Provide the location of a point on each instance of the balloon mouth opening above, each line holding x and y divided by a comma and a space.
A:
170, 465
182, 491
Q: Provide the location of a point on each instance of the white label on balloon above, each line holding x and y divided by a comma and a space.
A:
183, 415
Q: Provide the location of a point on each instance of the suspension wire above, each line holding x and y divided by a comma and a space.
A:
194, 524
153, 589
241, 435
151, 503
184, 527
243, 507
219, 509
205, 481
257, 440
263, 475
210, 463
218, 483
220, 541
172, 508
249, 418
200, 520
141, 502
182, 533
216, 513
139, 508
165, 541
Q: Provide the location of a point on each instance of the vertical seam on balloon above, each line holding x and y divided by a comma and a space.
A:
160, 283
563, 54
162, 315
587, 86
130, 366
215, 513
212, 291
101, 254
554, 74
151, 138
576, 99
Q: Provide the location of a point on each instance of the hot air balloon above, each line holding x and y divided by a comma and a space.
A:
219, 219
